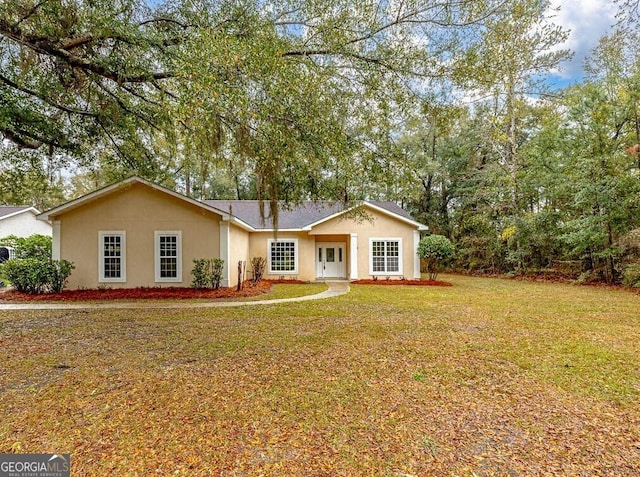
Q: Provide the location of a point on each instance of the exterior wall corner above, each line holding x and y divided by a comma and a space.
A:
353, 259
416, 258
55, 244
224, 253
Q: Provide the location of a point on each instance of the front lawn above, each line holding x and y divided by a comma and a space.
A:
487, 377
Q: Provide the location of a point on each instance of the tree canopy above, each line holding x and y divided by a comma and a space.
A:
259, 87
441, 106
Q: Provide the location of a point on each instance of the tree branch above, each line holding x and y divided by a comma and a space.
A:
45, 46
31, 12
125, 107
83, 40
41, 97
165, 20
20, 140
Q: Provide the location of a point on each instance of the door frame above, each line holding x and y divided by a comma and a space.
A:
341, 271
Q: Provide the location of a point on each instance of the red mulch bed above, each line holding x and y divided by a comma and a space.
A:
286, 280
154, 293
423, 283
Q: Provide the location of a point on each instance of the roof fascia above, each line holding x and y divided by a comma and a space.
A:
279, 230
307, 228
128, 181
382, 210
235, 220
418, 225
18, 212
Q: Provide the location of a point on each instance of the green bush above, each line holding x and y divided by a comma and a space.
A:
27, 275
631, 275
34, 275
59, 272
435, 250
200, 272
207, 272
34, 246
259, 265
216, 272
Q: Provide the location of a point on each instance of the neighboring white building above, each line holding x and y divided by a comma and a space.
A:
21, 221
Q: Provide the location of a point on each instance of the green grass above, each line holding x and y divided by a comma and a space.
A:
287, 290
488, 377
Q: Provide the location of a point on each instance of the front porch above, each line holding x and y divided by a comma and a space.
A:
336, 257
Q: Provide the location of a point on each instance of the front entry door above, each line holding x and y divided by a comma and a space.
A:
330, 260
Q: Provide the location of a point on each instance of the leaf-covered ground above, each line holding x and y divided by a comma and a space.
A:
488, 377
423, 282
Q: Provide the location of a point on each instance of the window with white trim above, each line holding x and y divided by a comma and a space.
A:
112, 253
385, 256
283, 256
168, 256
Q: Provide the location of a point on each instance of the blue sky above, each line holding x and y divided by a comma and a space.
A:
588, 21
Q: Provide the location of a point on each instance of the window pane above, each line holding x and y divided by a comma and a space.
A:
168, 268
378, 264
331, 253
283, 256
385, 256
393, 263
112, 256
168, 246
168, 249
112, 268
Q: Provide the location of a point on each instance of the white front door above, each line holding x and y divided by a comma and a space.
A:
331, 259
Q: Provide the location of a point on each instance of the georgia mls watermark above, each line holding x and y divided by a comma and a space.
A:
35, 465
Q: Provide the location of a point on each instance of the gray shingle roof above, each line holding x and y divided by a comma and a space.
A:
6, 210
391, 207
292, 217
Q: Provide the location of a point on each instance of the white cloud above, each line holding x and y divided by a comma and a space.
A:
588, 21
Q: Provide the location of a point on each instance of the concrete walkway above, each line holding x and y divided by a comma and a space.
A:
335, 289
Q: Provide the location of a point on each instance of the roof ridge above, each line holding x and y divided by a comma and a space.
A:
267, 200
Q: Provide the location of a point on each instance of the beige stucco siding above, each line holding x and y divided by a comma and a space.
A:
381, 226
238, 250
139, 211
258, 247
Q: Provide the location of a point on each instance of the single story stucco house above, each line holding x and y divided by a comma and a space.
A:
138, 234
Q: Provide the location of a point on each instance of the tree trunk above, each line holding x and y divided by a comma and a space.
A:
241, 268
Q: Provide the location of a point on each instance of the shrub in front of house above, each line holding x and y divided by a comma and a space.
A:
207, 272
435, 250
36, 275
216, 272
59, 272
258, 265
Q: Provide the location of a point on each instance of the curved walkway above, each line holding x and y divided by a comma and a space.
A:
335, 289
